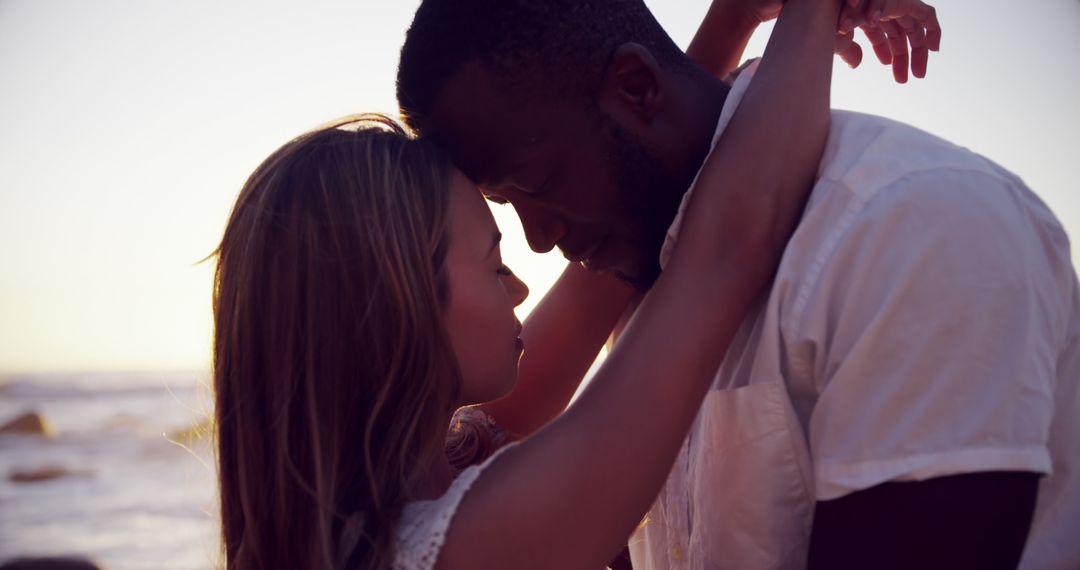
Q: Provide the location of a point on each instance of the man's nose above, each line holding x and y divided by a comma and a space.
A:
543, 230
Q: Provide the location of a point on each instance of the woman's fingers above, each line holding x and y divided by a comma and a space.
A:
933, 29
878, 9
851, 14
892, 26
898, 45
848, 50
920, 52
876, 36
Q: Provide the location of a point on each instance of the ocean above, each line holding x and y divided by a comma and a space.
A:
127, 469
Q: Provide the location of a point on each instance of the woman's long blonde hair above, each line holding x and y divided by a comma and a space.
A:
332, 370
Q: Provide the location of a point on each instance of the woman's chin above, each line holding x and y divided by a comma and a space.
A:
510, 385
492, 391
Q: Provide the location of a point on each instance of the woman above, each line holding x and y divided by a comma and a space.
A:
360, 300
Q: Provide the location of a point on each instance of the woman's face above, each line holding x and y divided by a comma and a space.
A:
483, 293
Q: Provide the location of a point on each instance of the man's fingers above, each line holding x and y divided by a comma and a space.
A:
876, 36
898, 45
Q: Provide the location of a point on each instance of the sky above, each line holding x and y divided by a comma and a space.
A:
127, 129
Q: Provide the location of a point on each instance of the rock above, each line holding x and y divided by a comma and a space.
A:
29, 423
49, 564
47, 473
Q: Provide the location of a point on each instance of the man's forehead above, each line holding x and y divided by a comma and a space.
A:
477, 121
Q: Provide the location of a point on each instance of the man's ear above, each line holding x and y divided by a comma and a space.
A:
631, 87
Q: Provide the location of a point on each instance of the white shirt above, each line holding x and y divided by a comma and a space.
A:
924, 322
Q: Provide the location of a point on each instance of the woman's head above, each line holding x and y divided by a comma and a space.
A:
480, 318
335, 359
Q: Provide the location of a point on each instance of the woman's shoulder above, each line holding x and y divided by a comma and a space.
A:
422, 527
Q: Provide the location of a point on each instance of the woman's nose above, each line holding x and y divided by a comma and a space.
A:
518, 290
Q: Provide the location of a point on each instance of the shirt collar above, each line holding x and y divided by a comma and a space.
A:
735, 96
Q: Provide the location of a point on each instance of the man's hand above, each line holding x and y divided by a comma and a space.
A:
890, 27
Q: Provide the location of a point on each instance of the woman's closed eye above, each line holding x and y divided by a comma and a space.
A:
504, 271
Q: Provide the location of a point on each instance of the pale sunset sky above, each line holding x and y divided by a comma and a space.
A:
127, 129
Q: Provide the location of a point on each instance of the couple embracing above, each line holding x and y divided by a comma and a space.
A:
839, 342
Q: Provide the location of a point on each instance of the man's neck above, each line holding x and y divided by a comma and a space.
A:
705, 104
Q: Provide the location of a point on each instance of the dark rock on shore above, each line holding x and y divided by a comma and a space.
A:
40, 474
49, 564
30, 423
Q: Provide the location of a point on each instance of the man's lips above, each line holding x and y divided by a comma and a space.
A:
581, 254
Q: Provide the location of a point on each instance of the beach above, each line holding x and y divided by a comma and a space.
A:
124, 475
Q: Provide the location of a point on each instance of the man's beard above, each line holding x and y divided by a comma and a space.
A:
650, 196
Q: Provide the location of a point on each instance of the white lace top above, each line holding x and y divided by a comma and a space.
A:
423, 525
473, 441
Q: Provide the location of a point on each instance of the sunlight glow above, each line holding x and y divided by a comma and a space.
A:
127, 129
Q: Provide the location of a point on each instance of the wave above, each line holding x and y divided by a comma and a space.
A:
63, 386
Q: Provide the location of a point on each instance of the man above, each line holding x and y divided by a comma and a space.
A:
906, 394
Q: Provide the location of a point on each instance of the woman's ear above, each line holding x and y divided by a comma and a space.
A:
631, 89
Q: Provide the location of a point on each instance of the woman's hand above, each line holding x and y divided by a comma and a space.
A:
763, 10
890, 27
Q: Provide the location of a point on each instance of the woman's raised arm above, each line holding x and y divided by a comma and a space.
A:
721, 39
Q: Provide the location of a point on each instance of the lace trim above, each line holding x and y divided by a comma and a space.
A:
422, 530
473, 441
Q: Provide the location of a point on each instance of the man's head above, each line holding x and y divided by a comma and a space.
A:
584, 115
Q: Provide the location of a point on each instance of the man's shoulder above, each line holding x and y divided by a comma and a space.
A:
866, 154
896, 189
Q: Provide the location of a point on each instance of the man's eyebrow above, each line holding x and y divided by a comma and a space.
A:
494, 243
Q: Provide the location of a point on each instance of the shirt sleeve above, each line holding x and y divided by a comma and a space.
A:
933, 328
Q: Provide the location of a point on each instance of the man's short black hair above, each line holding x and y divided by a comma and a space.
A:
543, 46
